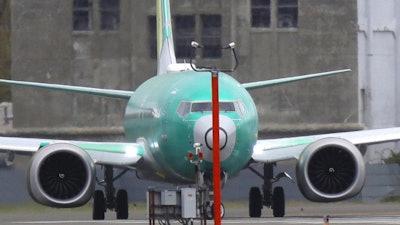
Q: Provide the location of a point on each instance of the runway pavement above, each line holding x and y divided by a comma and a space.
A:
241, 221
236, 213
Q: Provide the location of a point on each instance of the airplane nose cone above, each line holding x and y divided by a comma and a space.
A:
227, 136
223, 138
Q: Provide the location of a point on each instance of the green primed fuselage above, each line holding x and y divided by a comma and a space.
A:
162, 112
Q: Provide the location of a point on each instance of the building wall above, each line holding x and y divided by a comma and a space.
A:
379, 74
379, 59
325, 39
5, 48
46, 49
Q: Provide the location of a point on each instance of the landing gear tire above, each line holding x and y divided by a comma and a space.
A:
278, 202
255, 202
210, 211
99, 205
122, 205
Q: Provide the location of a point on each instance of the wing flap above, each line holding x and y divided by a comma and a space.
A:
110, 153
274, 150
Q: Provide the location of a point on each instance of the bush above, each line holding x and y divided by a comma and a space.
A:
394, 158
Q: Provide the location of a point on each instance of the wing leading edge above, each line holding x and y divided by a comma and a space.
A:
274, 150
107, 153
267, 83
120, 94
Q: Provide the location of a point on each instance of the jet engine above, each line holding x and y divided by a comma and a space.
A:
61, 175
7, 158
330, 169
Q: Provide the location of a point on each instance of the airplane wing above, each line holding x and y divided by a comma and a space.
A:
274, 150
120, 94
261, 84
107, 153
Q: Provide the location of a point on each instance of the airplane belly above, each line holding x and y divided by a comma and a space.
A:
156, 166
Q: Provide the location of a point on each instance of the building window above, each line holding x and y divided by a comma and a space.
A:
274, 13
184, 34
211, 35
82, 15
206, 29
109, 13
287, 13
152, 37
260, 13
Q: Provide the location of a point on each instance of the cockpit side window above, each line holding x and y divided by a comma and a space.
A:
239, 107
184, 108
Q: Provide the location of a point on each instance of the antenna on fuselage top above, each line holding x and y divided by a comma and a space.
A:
230, 46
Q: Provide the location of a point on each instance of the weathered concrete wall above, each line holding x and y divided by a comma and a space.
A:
46, 49
326, 39
379, 59
382, 182
5, 48
379, 74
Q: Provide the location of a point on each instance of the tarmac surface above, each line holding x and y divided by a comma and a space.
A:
236, 213
20, 209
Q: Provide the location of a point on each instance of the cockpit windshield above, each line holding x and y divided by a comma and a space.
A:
225, 106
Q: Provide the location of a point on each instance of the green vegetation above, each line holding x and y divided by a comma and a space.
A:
394, 158
392, 199
5, 54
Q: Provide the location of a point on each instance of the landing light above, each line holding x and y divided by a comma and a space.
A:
191, 156
201, 156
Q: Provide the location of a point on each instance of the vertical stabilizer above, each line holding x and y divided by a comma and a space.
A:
165, 42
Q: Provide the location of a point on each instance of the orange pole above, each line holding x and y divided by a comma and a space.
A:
216, 149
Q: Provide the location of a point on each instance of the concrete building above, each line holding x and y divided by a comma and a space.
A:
378, 62
379, 73
111, 44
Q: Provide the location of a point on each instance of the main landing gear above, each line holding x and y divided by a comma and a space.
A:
270, 197
117, 203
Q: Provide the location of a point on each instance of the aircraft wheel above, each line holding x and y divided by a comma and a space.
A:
255, 202
278, 202
210, 211
99, 205
122, 205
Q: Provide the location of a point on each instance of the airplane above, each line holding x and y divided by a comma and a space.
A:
165, 118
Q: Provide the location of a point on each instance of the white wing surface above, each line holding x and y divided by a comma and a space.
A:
109, 153
274, 150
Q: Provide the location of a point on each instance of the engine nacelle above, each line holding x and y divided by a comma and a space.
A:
7, 158
61, 175
330, 169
